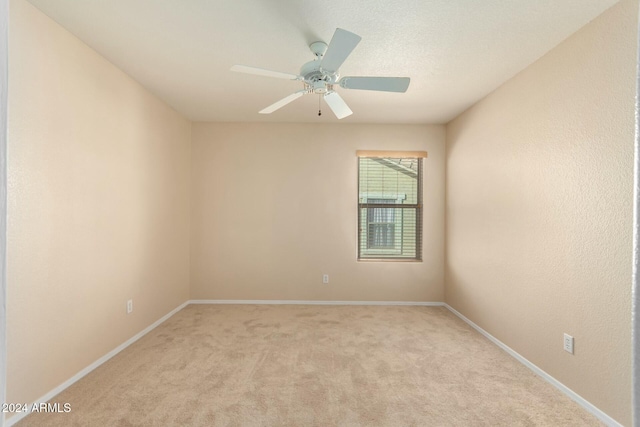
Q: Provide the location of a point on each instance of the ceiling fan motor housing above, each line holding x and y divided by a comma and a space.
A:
316, 77
313, 74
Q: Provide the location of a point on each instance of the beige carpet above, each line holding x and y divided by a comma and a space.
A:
259, 365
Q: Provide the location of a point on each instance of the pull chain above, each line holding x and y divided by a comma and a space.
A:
319, 109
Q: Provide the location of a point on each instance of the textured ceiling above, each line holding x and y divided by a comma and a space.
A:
455, 51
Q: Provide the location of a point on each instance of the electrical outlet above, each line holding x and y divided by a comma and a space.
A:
325, 278
568, 343
129, 306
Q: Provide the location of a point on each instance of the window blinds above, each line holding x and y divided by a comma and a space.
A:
390, 206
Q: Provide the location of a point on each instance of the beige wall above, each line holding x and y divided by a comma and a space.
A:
274, 208
539, 210
98, 206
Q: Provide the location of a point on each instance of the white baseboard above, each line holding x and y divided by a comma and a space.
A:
545, 376
50, 395
311, 302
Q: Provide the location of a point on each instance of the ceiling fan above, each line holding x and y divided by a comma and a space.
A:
320, 75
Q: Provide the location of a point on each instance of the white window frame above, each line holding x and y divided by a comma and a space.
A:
365, 255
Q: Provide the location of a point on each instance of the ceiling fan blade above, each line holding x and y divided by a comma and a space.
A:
342, 44
267, 73
284, 101
386, 84
337, 105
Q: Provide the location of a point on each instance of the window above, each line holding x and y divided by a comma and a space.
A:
381, 225
390, 205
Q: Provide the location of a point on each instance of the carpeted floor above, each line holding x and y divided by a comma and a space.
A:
287, 365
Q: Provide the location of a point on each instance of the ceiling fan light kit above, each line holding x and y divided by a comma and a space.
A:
321, 75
